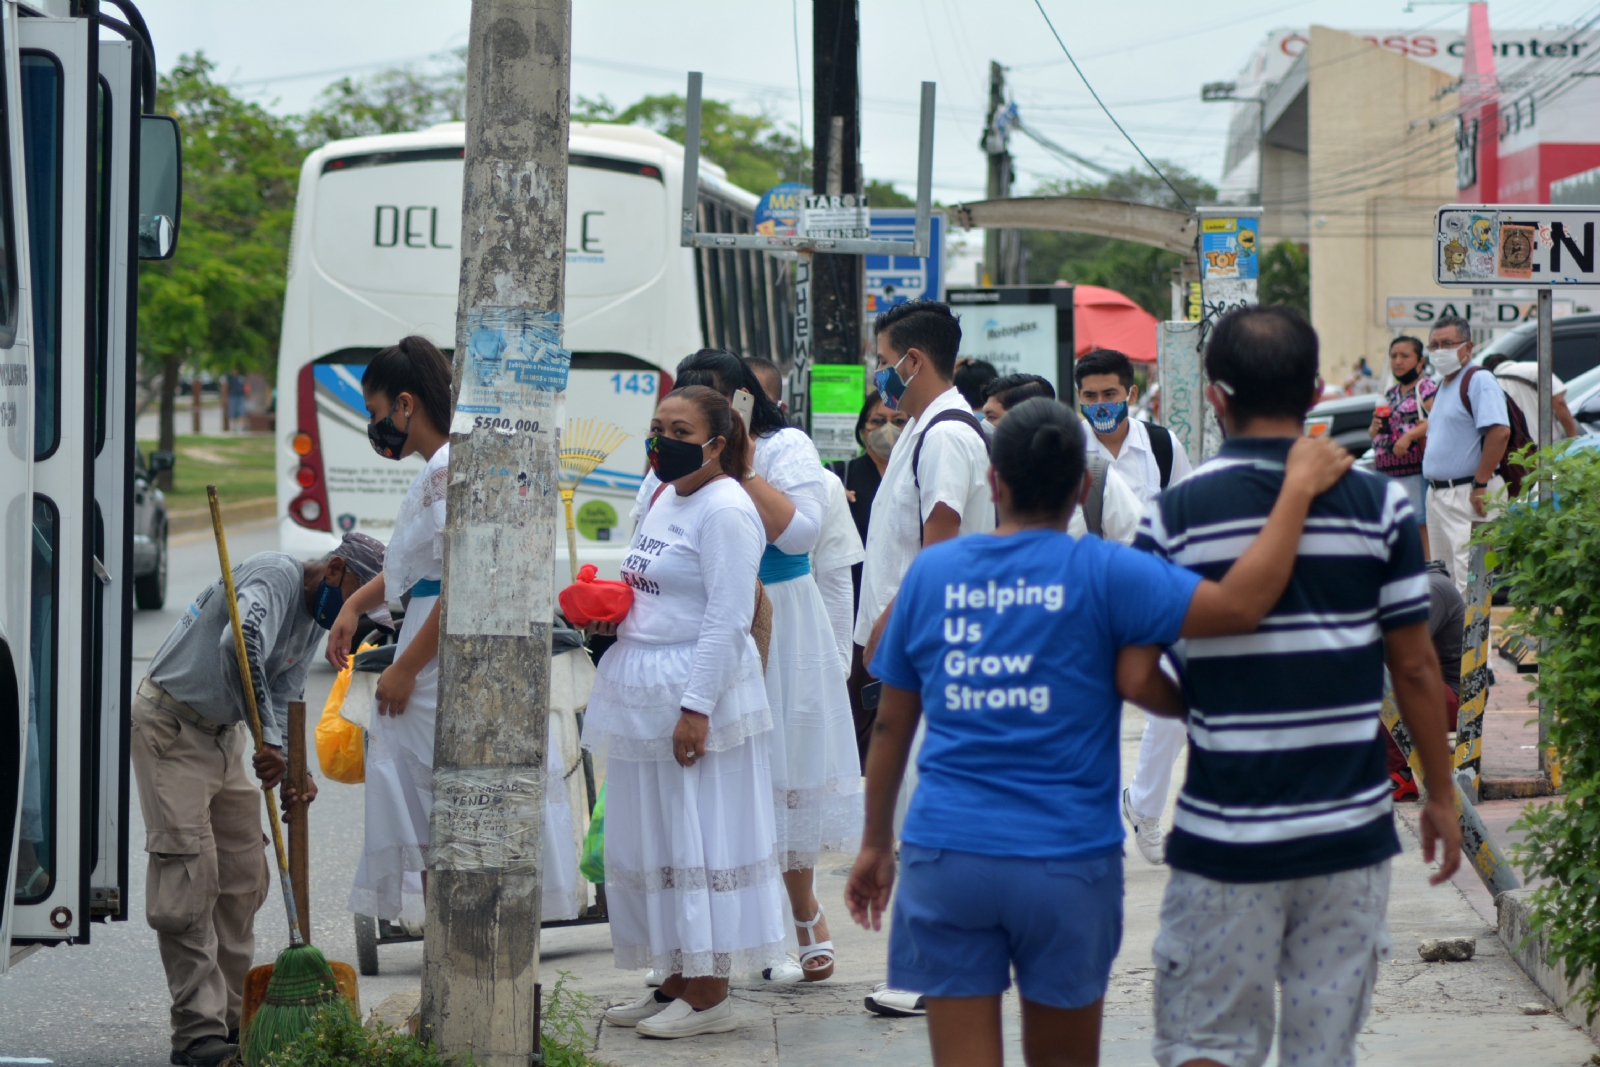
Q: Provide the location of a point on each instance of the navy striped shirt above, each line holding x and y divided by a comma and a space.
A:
1287, 776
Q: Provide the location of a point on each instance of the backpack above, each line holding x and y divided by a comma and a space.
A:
951, 415
1510, 470
1161, 446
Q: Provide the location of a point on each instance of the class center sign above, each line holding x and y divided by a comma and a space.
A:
1535, 246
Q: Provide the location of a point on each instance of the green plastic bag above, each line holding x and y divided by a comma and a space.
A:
593, 864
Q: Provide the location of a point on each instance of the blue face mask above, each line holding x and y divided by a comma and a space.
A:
1106, 417
890, 386
330, 599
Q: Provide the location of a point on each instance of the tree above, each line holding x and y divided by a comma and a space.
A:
1141, 272
1286, 276
756, 154
218, 303
391, 101
884, 194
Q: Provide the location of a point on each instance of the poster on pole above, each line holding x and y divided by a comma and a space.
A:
837, 392
845, 217
1535, 246
1228, 247
778, 213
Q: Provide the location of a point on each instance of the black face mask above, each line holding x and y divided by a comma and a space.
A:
672, 459
387, 439
1409, 376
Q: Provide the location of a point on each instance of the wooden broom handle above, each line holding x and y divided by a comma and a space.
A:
299, 829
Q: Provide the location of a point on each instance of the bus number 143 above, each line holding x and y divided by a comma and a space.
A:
643, 384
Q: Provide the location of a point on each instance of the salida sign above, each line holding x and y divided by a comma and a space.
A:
1423, 311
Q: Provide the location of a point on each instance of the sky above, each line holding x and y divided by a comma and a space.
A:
1145, 58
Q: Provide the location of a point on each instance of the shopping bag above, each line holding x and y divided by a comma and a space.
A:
340, 746
590, 599
593, 864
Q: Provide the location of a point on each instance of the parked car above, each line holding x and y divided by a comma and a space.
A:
149, 530
1345, 419
1576, 348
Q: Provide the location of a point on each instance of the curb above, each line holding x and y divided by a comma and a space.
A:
181, 522
1532, 954
1515, 788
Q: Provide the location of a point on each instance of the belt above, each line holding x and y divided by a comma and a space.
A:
425, 587
178, 709
1435, 483
779, 566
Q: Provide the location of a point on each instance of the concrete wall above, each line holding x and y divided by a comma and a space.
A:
1533, 956
1376, 174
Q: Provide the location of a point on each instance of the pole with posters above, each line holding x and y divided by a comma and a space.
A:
481, 957
1539, 246
1230, 261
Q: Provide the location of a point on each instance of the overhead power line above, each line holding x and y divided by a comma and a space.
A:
1068, 52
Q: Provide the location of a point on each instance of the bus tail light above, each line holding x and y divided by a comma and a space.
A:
310, 508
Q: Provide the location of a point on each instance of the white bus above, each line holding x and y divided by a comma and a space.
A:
82, 172
374, 257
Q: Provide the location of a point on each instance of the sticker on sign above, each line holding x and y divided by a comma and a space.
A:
1537, 245
838, 218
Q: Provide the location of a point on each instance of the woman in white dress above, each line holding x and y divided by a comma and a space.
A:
407, 390
816, 772
679, 709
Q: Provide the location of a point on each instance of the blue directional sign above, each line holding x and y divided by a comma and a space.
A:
893, 280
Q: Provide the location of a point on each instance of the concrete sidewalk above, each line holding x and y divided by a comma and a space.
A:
1423, 1014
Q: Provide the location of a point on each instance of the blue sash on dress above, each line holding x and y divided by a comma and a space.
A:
425, 587
779, 566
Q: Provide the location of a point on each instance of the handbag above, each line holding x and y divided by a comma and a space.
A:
591, 599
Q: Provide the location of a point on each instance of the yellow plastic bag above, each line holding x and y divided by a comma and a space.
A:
340, 746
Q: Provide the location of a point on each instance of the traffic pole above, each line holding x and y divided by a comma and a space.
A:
837, 281
481, 956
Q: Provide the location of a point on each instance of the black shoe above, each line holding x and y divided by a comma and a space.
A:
233, 1036
212, 1051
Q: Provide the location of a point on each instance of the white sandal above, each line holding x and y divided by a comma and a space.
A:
815, 950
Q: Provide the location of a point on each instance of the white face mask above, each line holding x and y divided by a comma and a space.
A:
1445, 361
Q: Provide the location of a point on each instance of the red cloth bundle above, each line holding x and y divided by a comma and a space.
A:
595, 600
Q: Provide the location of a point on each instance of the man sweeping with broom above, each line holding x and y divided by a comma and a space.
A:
207, 872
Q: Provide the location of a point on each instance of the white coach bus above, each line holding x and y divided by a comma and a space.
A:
89, 185
374, 257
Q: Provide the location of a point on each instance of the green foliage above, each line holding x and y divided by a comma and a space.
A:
884, 194
337, 1040
756, 154
1548, 562
1286, 276
392, 101
219, 302
1140, 272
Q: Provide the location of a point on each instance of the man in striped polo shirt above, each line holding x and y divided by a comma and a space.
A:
1281, 842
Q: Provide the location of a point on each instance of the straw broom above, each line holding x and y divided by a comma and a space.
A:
302, 984
584, 446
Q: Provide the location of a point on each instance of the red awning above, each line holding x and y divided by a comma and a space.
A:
1104, 318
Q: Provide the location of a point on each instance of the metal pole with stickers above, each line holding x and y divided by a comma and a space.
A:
1540, 246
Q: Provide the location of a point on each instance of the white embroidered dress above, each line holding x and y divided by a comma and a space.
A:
692, 882
399, 750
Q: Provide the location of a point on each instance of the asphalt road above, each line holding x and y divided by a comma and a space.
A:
105, 1004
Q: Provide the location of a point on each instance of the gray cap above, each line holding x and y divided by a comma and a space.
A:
362, 555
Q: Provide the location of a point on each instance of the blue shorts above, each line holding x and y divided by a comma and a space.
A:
961, 921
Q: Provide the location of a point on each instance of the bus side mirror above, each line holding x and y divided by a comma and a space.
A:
162, 461
160, 187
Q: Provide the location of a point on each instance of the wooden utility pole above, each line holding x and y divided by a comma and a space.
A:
1002, 249
481, 960
837, 281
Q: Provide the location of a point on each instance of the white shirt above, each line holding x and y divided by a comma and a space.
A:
836, 551
1137, 462
954, 472
1521, 383
1120, 510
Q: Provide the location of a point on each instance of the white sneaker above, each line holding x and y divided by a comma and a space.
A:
1146, 833
680, 1020
895, 1003
644, 1008
786, 973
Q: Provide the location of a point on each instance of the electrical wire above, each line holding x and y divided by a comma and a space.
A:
1068, 52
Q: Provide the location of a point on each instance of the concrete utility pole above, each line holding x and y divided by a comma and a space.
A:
1002, 249
481, 960
837, 282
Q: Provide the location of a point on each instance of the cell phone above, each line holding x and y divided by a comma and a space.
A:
871, 693
744, 402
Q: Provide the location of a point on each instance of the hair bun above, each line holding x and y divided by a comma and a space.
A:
1047, 438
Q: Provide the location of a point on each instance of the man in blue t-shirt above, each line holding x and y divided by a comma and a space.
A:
1284, 829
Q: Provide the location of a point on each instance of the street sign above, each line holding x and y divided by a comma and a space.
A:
1407, 312
894, 280
1523, 246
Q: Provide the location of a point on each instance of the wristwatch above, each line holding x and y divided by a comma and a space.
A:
1479, 485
